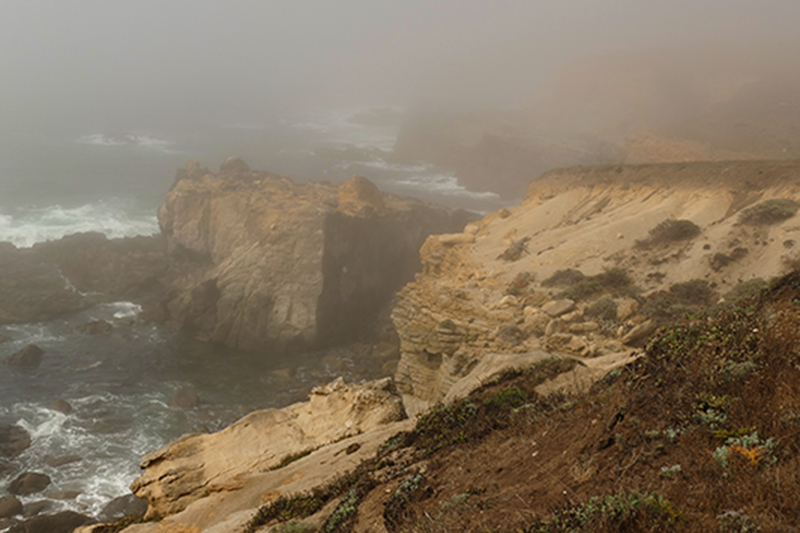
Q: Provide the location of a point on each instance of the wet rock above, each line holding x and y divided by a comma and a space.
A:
125, 506
29, 483
63, 522
64, 495
7, 522
37, 507
557, 308
13, 440
640, 333
184, 398
4, 338
62, 406
29, 356
55, 462
96, 327
10, 506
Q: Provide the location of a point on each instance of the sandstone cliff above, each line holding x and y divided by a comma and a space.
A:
258, 261
195, 465
481, 291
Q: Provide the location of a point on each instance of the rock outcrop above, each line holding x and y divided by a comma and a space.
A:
197, 464
259, 261
482, 297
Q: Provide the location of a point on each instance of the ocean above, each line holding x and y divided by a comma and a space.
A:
120, 384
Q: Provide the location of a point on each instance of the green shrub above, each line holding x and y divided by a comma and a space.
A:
769, 212
670, 230
693, 292
745, 290
615, 281
603, 309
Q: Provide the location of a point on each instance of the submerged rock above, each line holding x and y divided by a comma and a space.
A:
62, 406
96, 327
29, 356
184, 398
62, 460
185, 470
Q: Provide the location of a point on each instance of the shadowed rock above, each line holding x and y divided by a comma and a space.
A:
10, 506
29, 356
13, 440
63, 522
129, 505
62, 406
96, 327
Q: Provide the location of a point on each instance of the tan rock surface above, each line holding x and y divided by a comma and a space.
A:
259, 261
194, 465
573, 218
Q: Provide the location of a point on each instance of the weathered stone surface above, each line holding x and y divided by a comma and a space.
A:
557, 308
96, 327
267, 263
626, 308
453, 239
640, 333
29, 356
13, 440
29, 483
63, 522
188, 468
10, 506
583, 327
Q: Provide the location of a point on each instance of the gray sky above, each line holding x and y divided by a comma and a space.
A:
83, 64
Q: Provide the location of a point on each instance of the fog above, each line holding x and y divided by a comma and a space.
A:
87, 65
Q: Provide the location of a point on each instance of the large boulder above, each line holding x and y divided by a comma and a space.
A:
29, 483
13, 440
10, 506
265, 263
124, 506
29, 356
188, 468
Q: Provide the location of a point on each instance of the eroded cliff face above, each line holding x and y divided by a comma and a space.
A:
261, 262
471, 301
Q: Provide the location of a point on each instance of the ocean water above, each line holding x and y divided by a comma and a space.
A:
120, 384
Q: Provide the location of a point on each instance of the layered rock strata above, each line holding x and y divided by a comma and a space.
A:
195, 465
261, 262
480, 291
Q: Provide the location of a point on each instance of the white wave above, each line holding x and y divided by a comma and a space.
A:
445, 184
128, 139
125, 309
113, 218
396, 167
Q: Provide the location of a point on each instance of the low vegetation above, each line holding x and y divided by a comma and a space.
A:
615, 282
769, 212
681, 299
670, 231
702, 433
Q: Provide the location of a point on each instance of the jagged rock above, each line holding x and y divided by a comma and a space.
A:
557, 308
583, 327
124, 506
63, 522
640, 333
269, 264
232, 166
29, 483
453, 239
55, 462
61, 405
13, 440
10, 506
186, 469
184, 398
96, 327
626, 308
29, 356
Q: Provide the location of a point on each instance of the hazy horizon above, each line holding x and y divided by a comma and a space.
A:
88, 66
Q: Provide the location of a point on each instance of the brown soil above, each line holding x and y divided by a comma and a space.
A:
718, 396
